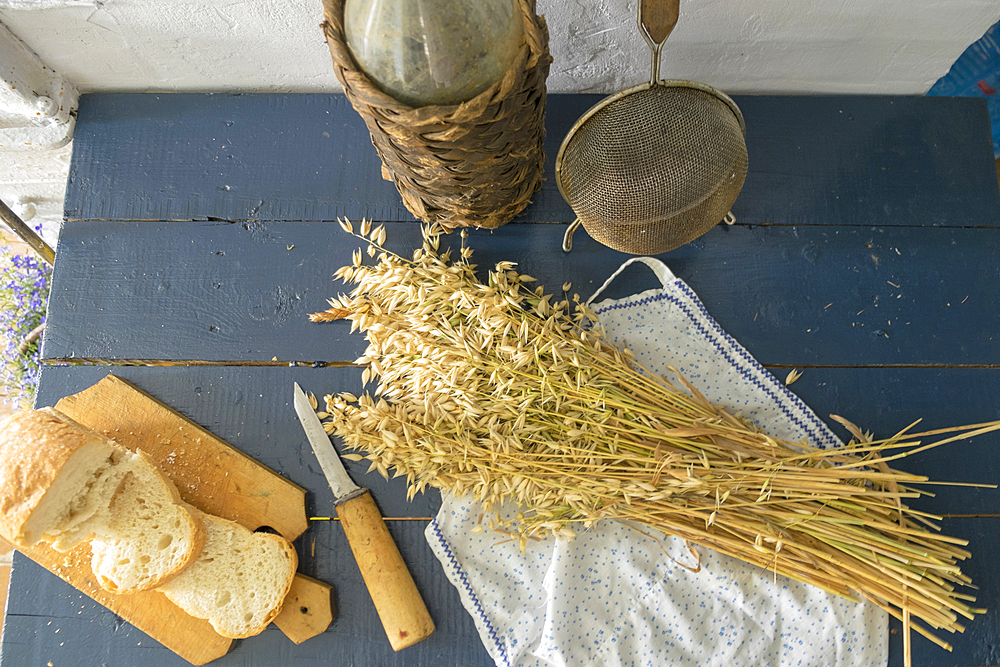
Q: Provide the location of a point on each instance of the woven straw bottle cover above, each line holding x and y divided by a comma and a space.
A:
472, 164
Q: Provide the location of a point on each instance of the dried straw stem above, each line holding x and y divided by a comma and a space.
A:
499, 391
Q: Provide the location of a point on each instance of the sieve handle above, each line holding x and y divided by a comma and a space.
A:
657, 19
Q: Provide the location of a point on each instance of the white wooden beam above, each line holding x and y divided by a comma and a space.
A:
37, 106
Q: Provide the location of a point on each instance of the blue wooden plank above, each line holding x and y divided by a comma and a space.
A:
978, 646
869, 160
886, 400
241, 405
855, 160
49, 621
792, 295
279, 157
251, 409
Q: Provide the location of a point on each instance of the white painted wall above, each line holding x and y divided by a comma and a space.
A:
862, 46
740, 46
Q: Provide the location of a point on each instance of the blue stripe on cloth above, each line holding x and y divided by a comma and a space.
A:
467, 588
730, 349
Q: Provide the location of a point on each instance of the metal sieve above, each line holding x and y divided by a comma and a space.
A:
653, 167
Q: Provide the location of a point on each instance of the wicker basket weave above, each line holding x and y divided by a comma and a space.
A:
472, 164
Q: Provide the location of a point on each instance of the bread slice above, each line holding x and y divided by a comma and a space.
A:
63, 483
149, 534
55, 477
240, 581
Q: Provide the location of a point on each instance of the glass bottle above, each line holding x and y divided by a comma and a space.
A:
424, 52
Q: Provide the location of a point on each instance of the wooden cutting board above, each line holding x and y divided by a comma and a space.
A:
214, 477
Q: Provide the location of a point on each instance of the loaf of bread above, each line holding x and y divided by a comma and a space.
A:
55, 476
63, 483
240, 581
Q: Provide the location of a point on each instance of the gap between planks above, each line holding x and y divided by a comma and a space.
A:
95, 361
329, 364
385, 518
738, 223
430, 518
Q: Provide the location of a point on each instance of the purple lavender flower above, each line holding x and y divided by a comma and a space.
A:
23, 297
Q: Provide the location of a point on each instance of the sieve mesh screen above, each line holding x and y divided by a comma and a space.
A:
655, 168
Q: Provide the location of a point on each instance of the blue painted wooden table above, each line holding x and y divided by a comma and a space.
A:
199, 237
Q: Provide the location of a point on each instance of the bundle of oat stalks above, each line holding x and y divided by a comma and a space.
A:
500, 391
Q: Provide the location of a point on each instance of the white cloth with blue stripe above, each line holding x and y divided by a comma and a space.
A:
617, 596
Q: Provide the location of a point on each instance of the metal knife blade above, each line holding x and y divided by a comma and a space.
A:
402, 611
340, 482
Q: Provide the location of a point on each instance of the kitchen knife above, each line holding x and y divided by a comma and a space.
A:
397, 600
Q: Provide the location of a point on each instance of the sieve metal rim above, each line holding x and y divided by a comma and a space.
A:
666, 83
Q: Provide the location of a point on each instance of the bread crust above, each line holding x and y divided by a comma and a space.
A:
193, 607
200, 534
34, 447
293, 556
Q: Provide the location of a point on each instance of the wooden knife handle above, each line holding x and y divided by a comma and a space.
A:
397, 600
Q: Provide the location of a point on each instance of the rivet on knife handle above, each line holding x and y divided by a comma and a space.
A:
397, 600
